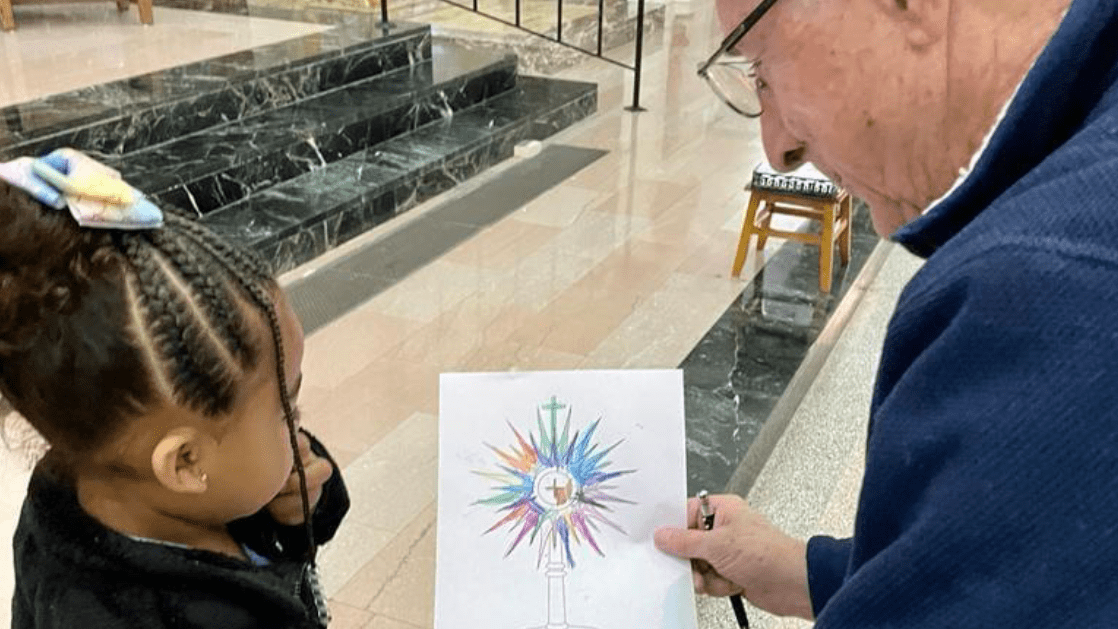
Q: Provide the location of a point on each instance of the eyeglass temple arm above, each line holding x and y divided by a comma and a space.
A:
737, 34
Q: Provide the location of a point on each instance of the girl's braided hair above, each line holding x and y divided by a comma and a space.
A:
98, 326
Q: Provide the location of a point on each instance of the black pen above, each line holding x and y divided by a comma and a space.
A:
707, 515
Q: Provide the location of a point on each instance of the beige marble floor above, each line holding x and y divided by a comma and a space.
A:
61, 47
624, 265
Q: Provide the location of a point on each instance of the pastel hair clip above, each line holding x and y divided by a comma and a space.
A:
95, 194
20, 174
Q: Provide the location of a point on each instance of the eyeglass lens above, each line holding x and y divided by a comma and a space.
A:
736, 86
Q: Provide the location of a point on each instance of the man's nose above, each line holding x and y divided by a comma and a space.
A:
784, 152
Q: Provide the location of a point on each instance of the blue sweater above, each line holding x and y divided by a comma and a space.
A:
990, 496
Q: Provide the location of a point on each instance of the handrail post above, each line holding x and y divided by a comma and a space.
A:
601, 19
639, 59
384, 14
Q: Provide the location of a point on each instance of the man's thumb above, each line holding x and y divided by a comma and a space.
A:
682, 543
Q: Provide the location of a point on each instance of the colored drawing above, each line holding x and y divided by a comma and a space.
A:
552, 490
552, 485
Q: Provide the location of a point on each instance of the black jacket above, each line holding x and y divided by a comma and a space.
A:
73, 572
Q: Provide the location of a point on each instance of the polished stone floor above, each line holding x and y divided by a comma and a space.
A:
54, 49
624, 264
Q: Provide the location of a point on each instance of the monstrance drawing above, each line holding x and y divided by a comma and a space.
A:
553, 491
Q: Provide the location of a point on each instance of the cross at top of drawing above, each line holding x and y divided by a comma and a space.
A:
555, 489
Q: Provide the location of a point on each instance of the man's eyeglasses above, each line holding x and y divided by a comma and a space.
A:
733, 78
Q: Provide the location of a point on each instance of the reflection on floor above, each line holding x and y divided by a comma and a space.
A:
576, 24
623, 265
742, 367
579, 29
62, 47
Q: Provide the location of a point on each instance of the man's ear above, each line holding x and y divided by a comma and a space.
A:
925, 21
177, 461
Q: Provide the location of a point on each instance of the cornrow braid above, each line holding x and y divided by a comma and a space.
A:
211, 295
234, 261
289, 415
199, 374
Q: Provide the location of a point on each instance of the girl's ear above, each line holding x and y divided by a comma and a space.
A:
177, 461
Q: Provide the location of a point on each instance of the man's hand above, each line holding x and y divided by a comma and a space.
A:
287, 507
742, 554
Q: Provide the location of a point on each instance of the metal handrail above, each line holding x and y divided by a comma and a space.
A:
638, 60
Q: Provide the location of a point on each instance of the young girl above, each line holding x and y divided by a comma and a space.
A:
161, 365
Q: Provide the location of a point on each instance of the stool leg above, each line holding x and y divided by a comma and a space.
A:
145, 12
827, 247
746, 234
844, 242
766, 221
122, 5
7, 18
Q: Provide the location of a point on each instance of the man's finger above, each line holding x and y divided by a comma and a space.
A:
693, 514
720, 504
683, 543
715, 584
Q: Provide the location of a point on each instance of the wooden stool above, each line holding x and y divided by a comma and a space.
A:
8, 20
804, 192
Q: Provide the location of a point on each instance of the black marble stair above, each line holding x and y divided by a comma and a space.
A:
213, 167
296, 220
296, 147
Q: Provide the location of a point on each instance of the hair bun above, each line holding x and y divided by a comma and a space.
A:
43, 256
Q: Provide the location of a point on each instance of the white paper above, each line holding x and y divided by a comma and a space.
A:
487, 474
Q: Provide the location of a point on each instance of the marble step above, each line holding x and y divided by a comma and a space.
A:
209, 169
297, 220
128, 115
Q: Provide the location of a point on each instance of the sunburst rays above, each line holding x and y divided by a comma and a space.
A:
554, 489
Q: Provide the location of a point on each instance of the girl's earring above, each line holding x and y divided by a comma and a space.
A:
205, 477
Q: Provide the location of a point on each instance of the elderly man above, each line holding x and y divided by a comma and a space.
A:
984, 136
